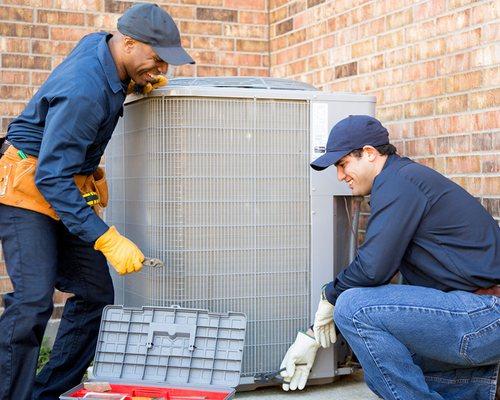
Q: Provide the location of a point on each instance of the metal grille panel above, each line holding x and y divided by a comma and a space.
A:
219, 189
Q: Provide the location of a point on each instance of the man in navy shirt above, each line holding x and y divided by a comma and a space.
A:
49, 184
437, 335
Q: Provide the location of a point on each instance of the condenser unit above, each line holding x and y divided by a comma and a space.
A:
212, 176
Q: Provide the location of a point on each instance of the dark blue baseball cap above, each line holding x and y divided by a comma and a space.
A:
352, 133
152, 25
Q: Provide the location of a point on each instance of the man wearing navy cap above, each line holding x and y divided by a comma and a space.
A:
437, 336
50, 191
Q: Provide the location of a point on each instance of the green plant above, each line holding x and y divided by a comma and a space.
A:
43, 357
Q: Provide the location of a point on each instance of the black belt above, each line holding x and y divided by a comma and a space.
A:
5, 145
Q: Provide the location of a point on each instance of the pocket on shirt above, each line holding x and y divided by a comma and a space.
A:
483, 345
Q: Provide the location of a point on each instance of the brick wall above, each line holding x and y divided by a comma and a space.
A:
225, 37
433, 65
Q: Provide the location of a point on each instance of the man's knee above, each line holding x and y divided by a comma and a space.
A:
348, 303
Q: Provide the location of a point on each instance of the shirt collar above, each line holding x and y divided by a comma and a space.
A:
108, 64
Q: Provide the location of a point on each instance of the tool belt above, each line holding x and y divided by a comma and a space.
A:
18, 189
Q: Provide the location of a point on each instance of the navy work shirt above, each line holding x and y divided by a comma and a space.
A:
427, 227
67, 125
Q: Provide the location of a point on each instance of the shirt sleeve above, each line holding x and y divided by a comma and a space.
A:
397, 209
71, 126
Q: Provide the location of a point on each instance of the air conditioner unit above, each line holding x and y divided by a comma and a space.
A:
212, 176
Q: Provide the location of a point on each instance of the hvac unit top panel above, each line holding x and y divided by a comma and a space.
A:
249, 87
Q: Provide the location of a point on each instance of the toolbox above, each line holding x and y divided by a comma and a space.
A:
167, 353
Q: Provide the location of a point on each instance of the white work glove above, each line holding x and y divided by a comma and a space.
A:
324, 329
298, 362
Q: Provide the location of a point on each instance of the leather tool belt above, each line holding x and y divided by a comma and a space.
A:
18, 189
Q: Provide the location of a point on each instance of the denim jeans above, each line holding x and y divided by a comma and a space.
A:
40, 255
417, 343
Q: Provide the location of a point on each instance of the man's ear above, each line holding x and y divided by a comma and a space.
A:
128, 44
370, 152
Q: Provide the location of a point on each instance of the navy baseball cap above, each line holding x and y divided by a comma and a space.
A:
152, 25
350, 134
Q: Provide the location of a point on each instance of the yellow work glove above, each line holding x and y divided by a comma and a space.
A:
120, 252
133, 87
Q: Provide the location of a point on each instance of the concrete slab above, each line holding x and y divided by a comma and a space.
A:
350, 387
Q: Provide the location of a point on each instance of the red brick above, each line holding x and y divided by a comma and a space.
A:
420, 109
69, 34
421, 31
430, 88
455, 63
491, 120
393, 113
491, 77
362, 48
490, 163
421, 71
23, 30
60, 18
38, 78
399, 19
251, 17
482, 141
492, 205
313, 3
252, 45
214, 43
490, 33
484, 12
296, 7
245, 4
16, 92
245, 31
78, 5
51, 47
490, 185
215, 14
430, 49
463, 82
431, 127
16, 14
390, 40
486, 99
30, 3
429, 9
201, 28
453, 104
464, 40
398, 57
452, 22
15, 45
253, 72
14, 77
25, 61
421, 147
464, 123
278, 15
216, 71
345, 70
485, 56
453, 144
462, 164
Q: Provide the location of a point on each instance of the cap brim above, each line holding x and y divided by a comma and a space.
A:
327, 159
174, 55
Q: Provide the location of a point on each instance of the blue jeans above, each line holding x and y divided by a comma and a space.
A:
418, 343
40, 255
